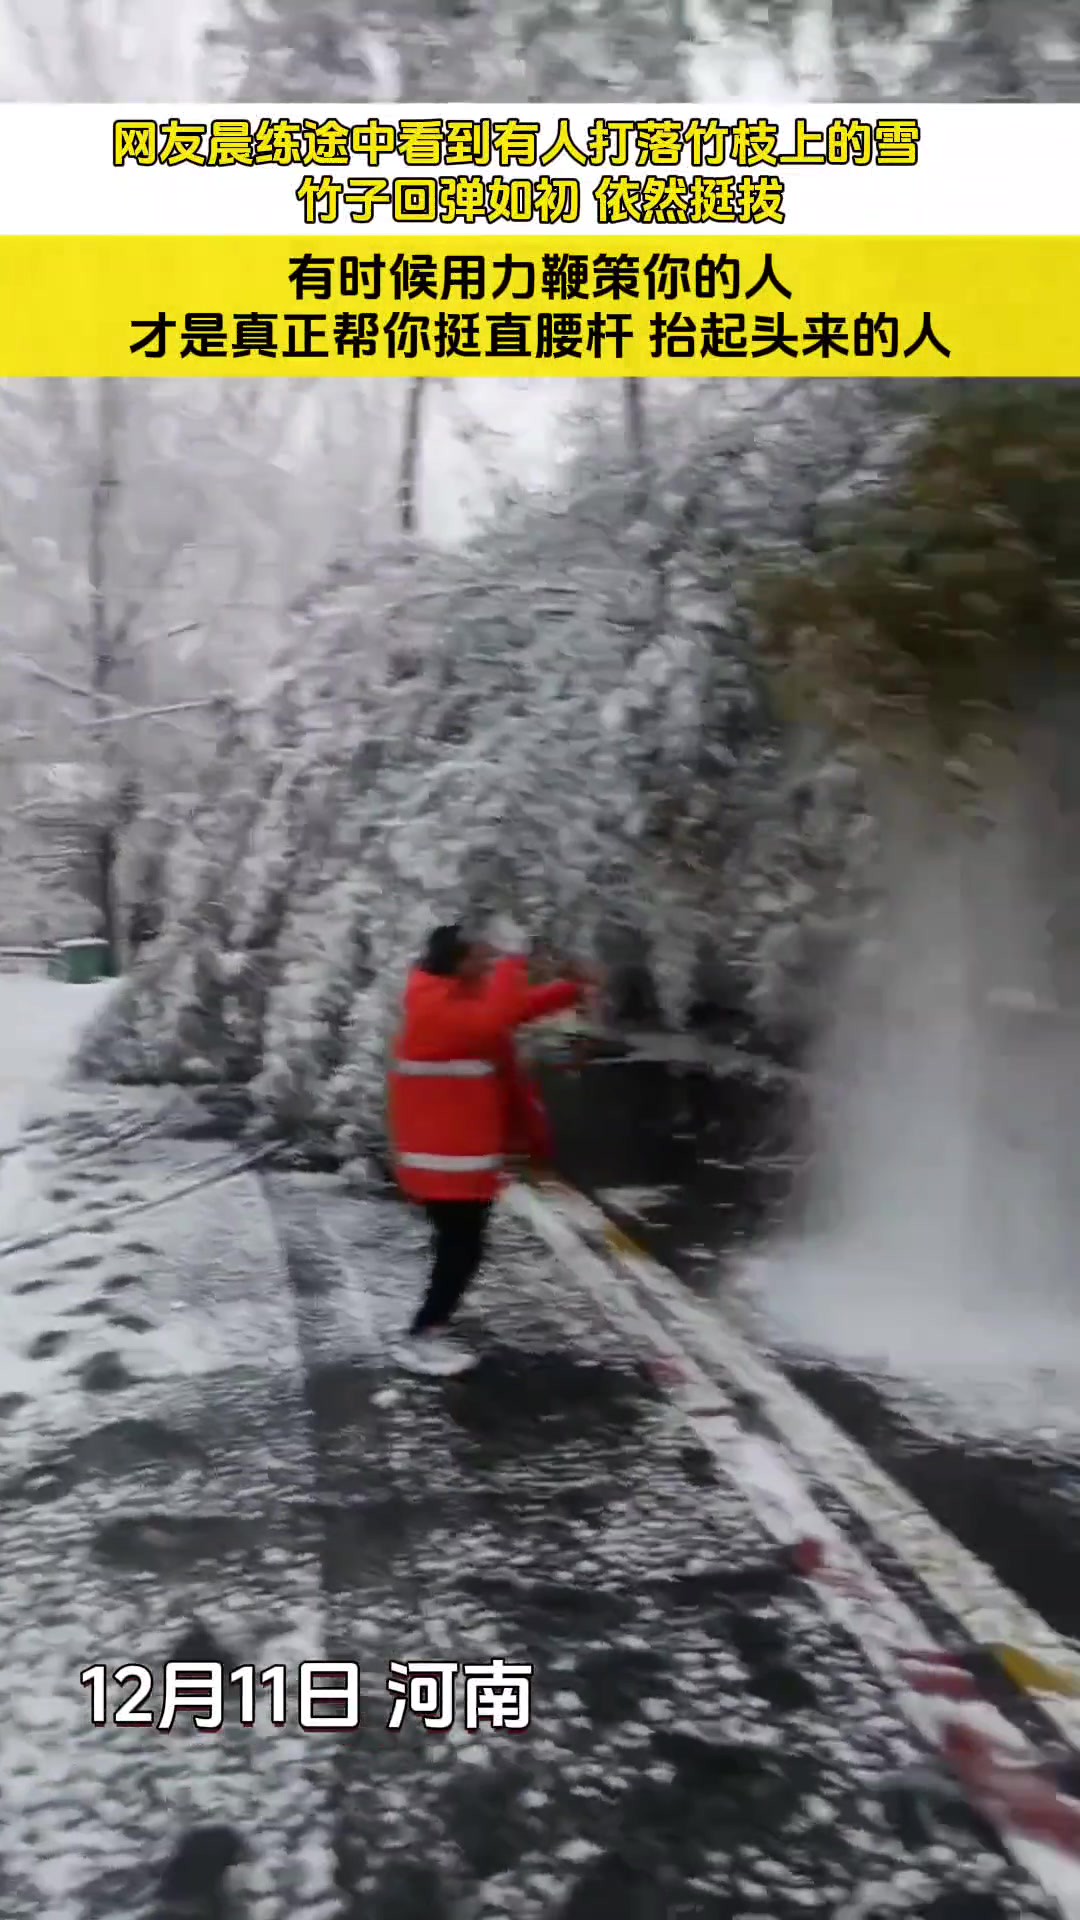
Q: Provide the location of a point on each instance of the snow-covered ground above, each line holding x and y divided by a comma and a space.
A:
205, 1454
152, 1427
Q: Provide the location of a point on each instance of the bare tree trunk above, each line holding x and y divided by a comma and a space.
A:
637, 438
409, 470
102, 651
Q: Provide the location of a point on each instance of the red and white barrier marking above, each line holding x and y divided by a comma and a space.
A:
1001, 1772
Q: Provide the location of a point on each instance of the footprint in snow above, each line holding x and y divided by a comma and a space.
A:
80, 1262
141, 1247
196, 1870
33, 1286
59, 1195
132, 1322
48, 1344
120, 1282
104, 1373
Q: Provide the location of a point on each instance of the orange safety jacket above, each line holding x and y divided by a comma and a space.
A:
458, 1104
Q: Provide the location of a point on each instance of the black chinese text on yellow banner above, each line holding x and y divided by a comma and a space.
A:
631, 303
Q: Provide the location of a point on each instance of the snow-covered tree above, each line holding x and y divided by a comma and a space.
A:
945, 606
112, 50
508, 50
567, 50
877, 50
937, 628
563, 719
153, 535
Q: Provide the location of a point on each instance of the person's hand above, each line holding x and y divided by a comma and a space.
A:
507, 937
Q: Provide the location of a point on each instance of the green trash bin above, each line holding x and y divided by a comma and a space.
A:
81, 962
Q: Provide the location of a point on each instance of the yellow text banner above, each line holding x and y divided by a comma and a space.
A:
489, 306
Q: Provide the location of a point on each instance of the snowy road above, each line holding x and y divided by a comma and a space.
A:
694, 1171
204, 1455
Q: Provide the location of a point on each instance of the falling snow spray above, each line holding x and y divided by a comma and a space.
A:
939, 1228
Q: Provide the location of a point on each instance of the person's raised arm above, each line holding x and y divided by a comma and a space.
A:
507, 1001
554, 998
538, 1002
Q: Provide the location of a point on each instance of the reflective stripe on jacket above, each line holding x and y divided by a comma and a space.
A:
444, 1069
457, 1105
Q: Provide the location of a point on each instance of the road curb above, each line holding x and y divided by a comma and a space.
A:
803, 1477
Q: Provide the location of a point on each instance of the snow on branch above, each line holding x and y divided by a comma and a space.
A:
448, 734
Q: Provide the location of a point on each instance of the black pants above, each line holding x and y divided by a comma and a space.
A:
459, 1227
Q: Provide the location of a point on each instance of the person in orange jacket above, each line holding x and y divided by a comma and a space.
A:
459, 1107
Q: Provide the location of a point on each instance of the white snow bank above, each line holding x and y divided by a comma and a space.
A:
40, 1025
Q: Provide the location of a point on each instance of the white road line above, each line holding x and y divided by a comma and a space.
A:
883, 1624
